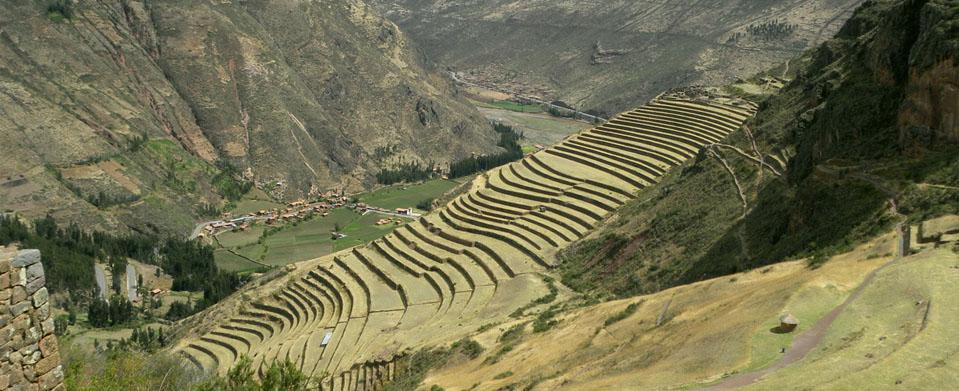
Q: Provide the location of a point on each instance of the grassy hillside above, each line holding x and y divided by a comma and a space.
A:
892, 333
839, 149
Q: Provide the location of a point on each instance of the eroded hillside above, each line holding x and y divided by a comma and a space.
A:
129, 113
604, 55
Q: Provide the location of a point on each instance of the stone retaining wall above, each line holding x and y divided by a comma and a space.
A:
29, 354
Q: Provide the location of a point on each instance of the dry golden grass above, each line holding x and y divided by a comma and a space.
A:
711, 328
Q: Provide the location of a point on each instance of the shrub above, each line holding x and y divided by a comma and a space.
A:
229, 184
282, 375
513, 334
58, 10
468, 347
817, 260
179, 310
426, 204
124, 370
411, 370
544, 321
625, 313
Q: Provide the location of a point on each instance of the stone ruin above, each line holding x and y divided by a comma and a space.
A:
29, 353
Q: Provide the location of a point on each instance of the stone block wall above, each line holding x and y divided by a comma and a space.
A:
29, 353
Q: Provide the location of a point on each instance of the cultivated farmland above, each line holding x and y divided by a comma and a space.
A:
346, 317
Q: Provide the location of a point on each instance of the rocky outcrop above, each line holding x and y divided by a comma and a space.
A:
932, 92
932, 102
29, 353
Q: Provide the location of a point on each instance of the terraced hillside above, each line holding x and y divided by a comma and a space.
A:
344, 318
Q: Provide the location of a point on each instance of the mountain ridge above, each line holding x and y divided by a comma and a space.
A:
296, 96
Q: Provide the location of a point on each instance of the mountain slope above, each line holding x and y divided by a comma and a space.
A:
862, 138
605, 55
151, 108
890, 333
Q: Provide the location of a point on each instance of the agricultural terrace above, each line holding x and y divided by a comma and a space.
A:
345, 317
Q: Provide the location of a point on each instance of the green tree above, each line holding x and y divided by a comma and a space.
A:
280, 376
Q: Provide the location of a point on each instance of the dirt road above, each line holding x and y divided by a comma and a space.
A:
101, 280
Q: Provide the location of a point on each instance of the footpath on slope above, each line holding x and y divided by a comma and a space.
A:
805, 342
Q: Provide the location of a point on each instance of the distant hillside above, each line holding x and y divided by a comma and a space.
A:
134, 113
608, 55
864, 136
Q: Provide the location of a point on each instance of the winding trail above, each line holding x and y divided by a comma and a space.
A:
803, 343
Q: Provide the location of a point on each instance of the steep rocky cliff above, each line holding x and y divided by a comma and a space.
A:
861, 138
129, 113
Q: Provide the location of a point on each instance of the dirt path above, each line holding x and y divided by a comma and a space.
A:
132, 293
802, 344
299, 147
101, 280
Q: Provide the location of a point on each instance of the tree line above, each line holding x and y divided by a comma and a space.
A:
771, 31
508, 140
69, 254
103, 313
406, 172
414, 172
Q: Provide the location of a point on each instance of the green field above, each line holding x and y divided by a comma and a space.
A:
511, 106
310, 239
313, 238
536, 128
407, 196
241, 238
230, 262
254, 201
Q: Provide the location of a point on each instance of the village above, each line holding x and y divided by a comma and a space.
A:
300, 210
